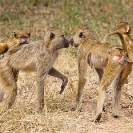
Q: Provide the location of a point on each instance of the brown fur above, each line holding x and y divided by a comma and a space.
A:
37, 56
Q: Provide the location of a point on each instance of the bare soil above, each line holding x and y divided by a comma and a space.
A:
58, 115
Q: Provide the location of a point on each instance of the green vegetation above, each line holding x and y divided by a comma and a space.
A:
99, 15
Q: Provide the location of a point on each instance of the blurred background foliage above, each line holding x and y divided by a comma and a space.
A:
37, 16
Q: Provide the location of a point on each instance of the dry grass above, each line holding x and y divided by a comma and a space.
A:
58, 115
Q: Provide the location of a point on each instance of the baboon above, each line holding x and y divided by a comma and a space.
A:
37, 56
90, 51
123, 31
18, 38
120, 71
97, 55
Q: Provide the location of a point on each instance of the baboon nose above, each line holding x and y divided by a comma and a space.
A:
71, 41
67, 44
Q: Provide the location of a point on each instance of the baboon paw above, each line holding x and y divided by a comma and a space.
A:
98, 117
62, 89
65, 81
104, 109
115, 115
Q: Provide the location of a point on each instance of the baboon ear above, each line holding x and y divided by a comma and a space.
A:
14, 34
82, 35
52, 36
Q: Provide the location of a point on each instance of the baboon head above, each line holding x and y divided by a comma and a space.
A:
22, 36
123, 27
78, 35
55, 39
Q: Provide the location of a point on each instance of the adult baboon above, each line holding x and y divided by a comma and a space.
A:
37, 56
97, 55
90, 51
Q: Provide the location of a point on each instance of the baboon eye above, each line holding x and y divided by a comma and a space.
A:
62, 35
81, 35
52, 35
29, 34
14, 33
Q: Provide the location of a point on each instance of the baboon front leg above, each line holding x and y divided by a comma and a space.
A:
81, 85
100, 73
82, 70
57, 74
119, 82
40, 88
42, 72
9, 84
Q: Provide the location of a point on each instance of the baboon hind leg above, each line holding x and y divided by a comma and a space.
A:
111, 71
42, 72
40, 89
57, 74
119, 82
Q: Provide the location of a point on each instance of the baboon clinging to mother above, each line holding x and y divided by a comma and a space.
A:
20, 37
115, 65
37, 56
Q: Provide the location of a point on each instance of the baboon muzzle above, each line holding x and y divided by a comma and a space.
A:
67, 42
71, 41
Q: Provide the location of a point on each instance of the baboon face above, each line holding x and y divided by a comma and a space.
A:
57, 39
22, 36
78, 35
123, 27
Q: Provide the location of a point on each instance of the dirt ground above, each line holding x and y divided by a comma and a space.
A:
58, 115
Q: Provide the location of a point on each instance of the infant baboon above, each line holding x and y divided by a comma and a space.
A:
95, 53
19, 38
36, 56
123, 31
